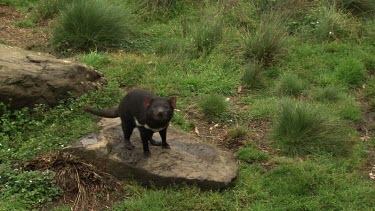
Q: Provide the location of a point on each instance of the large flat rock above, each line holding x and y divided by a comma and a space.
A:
29, 78
188, 161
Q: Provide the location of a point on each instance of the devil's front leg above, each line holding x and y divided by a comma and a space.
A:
163, 135
146, 135
127, 129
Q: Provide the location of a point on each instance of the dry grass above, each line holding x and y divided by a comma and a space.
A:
82, 182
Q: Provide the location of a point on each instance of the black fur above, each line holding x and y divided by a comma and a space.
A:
140, 108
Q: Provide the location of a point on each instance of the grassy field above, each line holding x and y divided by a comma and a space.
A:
305, 70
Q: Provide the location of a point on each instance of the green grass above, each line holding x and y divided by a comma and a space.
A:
47, 9
252, 76
251, 155
299, 100
290, 85
92, 25
269, 41
213, 106
301, 129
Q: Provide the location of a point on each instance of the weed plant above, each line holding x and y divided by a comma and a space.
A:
29, 188
301, 129
269, 43
213, 106
87, 25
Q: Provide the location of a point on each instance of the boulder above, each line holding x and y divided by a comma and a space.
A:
29, 78
188, 161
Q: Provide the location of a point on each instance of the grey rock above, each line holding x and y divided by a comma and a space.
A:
188, 161
29, 78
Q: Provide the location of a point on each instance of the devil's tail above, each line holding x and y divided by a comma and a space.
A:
107, 113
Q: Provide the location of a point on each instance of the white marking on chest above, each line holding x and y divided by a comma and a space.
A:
148, 127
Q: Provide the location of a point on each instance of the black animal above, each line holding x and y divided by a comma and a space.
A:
141, 108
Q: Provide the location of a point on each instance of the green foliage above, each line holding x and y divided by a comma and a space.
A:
30, 187
213, 105
87, 25
160, 9
252, 76
184, 198
269, 42
334, 24
290, 85
357, 7
351, 71
207, 36
24, 23
180, 121
23, 5
301, 129
251, 155
327, 94
369, 89
46, 9
95, 59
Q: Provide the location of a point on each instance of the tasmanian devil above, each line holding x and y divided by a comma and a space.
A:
141, 108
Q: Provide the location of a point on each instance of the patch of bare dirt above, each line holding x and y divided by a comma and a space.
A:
31, 38
367, 130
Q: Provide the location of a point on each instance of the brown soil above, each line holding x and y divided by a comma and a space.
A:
35, 38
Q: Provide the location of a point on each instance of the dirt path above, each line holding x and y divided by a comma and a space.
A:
32, 37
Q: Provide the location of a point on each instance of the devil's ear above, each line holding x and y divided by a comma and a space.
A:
147, 102
173, 102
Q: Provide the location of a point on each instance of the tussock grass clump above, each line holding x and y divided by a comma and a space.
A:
90, 25
334, 24
252, 76
269, 42
327, 94
301, 129
213, 105
291, 85
207, 35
